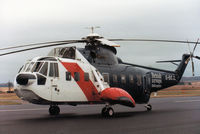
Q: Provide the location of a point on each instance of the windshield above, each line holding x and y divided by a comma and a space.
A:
29, 67
24, 67
37, 66
41, 67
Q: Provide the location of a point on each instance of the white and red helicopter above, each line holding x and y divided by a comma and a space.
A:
68, 81
91, 75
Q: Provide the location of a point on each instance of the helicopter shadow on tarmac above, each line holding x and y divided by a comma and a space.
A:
98, 116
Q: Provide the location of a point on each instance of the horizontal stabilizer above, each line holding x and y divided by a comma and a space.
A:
117, 96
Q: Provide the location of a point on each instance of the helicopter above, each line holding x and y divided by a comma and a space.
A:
92, 75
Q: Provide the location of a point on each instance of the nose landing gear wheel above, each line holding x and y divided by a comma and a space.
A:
54, 110
107, 112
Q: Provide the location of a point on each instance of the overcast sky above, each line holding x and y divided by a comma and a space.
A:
32, 21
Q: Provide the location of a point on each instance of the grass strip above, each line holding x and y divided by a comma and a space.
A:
9, 103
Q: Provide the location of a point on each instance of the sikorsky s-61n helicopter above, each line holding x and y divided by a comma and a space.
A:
91, 75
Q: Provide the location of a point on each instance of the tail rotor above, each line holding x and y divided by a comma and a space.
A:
192, 56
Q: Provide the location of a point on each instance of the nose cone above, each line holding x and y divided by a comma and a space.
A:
22, 79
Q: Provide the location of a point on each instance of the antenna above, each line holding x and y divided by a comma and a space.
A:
92, 28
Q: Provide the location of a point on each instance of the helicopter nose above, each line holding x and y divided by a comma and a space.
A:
22, 79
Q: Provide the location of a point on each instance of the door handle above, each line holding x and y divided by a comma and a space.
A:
54, 86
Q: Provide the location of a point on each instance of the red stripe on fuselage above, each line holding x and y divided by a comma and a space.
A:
87, 87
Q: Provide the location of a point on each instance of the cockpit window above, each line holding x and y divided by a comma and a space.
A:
25, 66
44, 69
20, 69
56, 69
29, 67
51, 70
37, 66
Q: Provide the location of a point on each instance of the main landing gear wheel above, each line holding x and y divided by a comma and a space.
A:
107, 112
148, 107
54, 110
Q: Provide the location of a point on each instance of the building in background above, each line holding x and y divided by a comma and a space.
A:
6, 87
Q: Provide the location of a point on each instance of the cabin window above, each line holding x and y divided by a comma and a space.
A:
53, 71
56, 69
77, 76
139, 80
131, 79
123, 79
68, 52
86, 76
106, 77
114, 78
68, 76
44, 69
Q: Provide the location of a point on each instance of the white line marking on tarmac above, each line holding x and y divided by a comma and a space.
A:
16, 110
187, 101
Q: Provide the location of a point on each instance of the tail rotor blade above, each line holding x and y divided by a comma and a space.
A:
197, 57
192, 66
195, 45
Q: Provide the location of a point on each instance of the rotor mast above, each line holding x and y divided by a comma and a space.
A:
92, 28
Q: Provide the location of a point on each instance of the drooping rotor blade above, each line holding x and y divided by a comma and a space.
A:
145, 67
168, 61
195, 46
35, 44
51, 45
152, 40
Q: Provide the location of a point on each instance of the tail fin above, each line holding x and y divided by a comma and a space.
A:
181, 67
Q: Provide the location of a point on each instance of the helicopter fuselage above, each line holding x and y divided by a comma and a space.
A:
139, 82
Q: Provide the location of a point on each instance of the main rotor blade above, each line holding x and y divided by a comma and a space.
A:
163, 61
36, 44
51, 45
145, 67
152, 40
